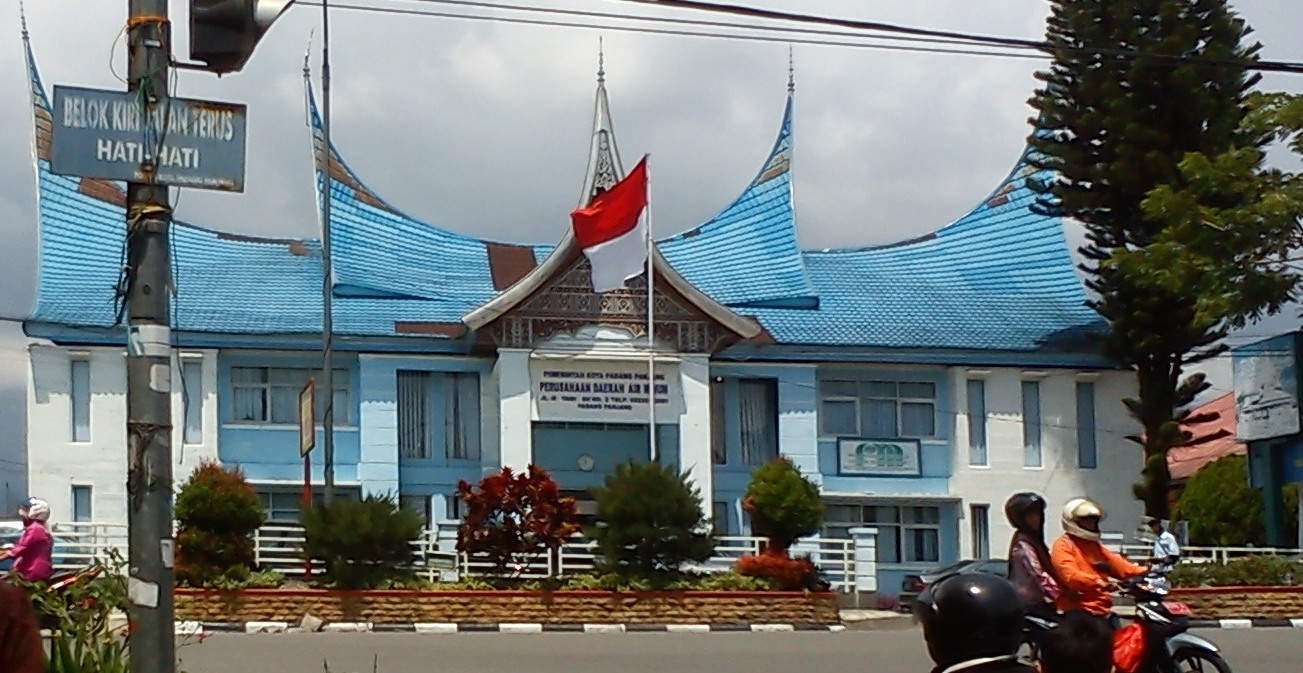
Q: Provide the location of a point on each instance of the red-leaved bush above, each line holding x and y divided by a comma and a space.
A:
511, 518
790, 574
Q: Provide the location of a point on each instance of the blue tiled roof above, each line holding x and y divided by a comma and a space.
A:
757, 237
999, 278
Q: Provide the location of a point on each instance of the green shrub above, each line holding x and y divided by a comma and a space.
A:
1224, 511
1240, 572
650, 522
783, 504
363, 543
81, 615
217, 513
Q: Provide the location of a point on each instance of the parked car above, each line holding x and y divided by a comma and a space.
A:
912, 585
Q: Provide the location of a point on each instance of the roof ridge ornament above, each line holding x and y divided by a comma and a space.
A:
791, 71
604, 166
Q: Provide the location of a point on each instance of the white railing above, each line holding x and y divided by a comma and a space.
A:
279, 547
1207, 554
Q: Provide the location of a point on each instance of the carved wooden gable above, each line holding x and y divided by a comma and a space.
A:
568, 304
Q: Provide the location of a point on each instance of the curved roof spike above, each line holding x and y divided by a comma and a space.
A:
604, 165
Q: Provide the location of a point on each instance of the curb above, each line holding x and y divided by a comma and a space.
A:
206, 628
1246, 623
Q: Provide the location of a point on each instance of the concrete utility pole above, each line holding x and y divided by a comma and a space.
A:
149, 362
327, 292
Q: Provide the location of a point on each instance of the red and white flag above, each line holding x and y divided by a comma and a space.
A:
612, 232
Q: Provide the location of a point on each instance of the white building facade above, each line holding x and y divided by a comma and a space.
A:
920, 384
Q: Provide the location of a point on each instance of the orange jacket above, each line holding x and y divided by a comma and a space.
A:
1084, 586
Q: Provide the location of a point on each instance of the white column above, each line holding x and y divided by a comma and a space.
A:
694, 425
377, 467
516, 437
866, 559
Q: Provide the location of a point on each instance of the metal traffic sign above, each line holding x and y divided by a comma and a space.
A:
180, 142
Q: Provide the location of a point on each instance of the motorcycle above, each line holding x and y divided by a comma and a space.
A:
1167, 644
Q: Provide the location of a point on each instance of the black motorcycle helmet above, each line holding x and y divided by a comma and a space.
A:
970, 616
1019, 505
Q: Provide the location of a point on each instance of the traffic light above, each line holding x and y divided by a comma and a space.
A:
223, 33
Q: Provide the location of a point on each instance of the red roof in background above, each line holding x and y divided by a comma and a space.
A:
1218, 439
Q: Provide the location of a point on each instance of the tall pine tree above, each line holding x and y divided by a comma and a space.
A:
1137, 95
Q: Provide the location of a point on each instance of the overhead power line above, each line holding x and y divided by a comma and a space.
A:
888, 36
887, 43
1041, 46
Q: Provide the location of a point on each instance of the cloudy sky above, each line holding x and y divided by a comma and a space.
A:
483, 127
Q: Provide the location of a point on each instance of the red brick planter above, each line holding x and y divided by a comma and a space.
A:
498, 607
1282, 602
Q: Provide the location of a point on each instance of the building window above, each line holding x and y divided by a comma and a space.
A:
82, 504
270, 395
1086, 450
977, 454
414, 415
980, 516
758, 419
192, 400
718, 423
720, 518
461, 418
284, 503
878, 409
426, 399
1033, 454
455, 508
419, 505
79, 399
908, 534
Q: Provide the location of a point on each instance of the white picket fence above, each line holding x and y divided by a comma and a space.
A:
1208, 554
278, 546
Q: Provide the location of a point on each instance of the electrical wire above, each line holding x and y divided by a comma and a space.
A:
676, 32
965, 43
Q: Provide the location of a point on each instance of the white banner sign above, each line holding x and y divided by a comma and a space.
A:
878, 456
602, 392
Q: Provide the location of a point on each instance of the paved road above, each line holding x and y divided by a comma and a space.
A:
892, 651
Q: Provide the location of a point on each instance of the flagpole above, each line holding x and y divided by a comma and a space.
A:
651, 331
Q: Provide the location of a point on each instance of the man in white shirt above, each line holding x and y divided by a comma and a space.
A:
1166, 552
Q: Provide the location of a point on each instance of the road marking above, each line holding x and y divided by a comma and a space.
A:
687, 628
604, 628
436, 628
1237, 623
520, 628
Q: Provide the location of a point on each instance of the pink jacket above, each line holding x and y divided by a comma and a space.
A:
33, 555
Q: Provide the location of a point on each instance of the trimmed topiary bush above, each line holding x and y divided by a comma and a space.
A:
650, 522
783, 504
363, 543
217, 513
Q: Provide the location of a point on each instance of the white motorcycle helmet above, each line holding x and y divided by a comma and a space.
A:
35, 509
1078, 510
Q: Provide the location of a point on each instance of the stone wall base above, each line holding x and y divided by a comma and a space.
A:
506, 607
1243, 602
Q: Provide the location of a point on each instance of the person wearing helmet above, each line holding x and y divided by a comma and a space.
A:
972, 623
1086, 566
1030, 568
33, 555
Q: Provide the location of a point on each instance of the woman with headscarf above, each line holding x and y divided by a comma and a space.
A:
1030, 569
